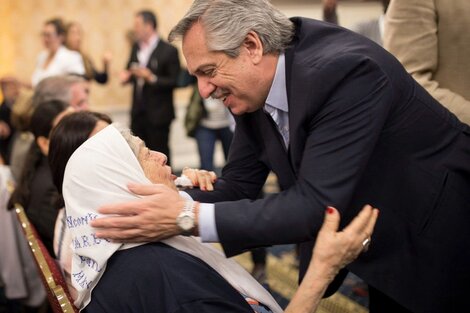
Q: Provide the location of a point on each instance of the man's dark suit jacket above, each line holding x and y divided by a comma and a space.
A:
361, 131
156, 100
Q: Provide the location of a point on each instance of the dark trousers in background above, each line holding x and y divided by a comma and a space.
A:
206, 139
155, 137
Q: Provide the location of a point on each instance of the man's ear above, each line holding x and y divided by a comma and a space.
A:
43, 144
254, 47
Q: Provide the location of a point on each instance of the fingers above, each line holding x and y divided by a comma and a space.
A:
369, 229
120, 234
213, 176
331, 221
201, 178
359, 223
191, 174
126, 208
204, 179
116, 222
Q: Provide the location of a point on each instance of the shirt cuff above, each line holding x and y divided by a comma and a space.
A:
207, 228
185, 195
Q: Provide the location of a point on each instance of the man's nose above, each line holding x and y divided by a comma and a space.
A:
206, 88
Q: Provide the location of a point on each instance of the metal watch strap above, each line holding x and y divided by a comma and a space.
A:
186, 219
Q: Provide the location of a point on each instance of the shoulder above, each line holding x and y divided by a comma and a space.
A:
42, 56
320, 49
167, 46
66, 54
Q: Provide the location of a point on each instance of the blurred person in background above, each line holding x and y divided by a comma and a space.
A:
35, 190
10, 91
372, 29
208, 121
153, 69
329, 11
56, 59
71, 89
431, 39
73, 41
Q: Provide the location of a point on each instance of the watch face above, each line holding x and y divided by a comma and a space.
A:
186, 223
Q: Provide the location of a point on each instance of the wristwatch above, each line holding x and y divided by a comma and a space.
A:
186, 219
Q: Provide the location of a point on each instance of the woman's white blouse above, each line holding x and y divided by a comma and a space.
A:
65, 61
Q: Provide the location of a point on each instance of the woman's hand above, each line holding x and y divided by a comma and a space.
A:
333, 250
201, 178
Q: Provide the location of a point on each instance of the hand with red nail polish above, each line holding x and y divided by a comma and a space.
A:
333, 250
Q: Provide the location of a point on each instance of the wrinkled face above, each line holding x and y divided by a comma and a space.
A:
153, 163
238, 82
79, 96
50, 38
74, 37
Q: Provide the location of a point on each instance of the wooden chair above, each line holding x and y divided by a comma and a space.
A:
51, 275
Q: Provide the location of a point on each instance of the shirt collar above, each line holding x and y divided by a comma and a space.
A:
382, 25
152, 42
277, 96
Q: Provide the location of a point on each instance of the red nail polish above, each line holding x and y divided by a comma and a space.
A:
330, 210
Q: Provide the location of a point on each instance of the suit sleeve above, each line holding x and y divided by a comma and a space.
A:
341, 137
411, 34
132, 58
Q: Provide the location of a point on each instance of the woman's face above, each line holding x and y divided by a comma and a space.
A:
154, 165
51, 40
74, 37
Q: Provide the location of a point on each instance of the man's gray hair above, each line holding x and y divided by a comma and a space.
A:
55, 88
227, 22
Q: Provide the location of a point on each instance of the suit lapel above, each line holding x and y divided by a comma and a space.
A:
297, 135
153, 60
275, 151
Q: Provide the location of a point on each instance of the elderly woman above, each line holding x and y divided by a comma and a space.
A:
92, 163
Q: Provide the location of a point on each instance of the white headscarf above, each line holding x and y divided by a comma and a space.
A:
96, 174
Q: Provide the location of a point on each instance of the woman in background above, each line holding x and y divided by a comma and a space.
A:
73, 41
56, 59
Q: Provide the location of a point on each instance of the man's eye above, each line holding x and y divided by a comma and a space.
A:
210, 72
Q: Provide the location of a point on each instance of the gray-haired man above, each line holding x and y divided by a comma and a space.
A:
341, 123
